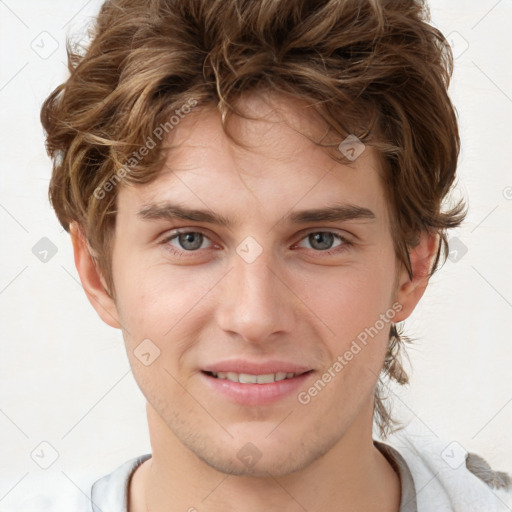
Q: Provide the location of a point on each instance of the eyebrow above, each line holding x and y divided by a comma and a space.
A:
334, 213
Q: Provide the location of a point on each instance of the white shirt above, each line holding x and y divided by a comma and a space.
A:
434, 477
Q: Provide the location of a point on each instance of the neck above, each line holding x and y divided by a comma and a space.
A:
352, 476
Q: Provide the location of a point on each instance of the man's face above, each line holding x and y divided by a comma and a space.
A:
269, 294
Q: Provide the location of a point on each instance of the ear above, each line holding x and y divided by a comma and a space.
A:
91, 278
410, 291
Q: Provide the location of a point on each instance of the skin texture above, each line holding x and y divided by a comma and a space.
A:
294, 303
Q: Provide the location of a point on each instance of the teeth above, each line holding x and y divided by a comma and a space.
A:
246, 378
264, 379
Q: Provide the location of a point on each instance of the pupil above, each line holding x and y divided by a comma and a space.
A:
187, 240
325, 240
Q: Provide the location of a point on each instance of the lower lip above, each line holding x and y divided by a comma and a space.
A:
256, 394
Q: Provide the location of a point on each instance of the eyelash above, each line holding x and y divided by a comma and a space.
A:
337, 250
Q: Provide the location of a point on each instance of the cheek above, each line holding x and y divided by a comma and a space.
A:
160, 304
359, 314
350, 299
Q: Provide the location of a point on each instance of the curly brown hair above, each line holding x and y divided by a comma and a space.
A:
373, 68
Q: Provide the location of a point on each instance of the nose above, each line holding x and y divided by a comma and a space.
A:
257, 302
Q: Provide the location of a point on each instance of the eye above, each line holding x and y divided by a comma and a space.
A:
185, 241
323, 241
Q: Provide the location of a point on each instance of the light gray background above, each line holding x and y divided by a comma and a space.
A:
65, 376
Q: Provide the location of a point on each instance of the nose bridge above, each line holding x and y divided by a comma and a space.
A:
256, 303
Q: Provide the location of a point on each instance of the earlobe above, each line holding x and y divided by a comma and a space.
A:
410, 290
91, 278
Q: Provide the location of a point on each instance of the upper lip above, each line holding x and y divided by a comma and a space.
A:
256, 368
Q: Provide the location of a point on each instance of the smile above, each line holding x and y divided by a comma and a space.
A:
256, 389
246, 378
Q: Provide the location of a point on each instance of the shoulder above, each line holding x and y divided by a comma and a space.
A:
445, 474
61, 493
111, 491
58, 491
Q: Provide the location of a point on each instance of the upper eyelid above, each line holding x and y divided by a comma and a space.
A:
342, 234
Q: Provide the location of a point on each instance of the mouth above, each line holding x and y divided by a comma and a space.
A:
247, 378
255, 389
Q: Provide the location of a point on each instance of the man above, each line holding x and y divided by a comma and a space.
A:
253, 191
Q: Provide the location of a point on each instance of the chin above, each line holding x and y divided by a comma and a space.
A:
261, 469
272, 460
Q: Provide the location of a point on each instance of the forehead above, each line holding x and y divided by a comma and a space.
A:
277, 167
